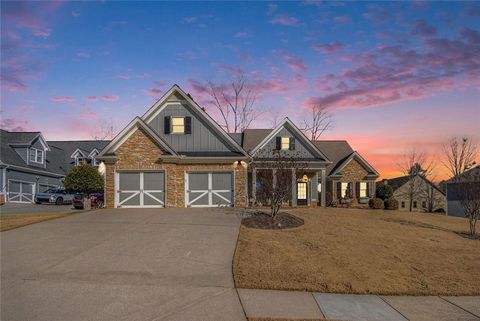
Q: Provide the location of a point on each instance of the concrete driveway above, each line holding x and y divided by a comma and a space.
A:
30, 208
123, 264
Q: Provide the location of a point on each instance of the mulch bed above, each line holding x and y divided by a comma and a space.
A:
264, 221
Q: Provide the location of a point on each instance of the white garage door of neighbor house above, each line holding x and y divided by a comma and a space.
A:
209, 189
140, 189
20, 192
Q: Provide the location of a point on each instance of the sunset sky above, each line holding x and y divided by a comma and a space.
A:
395, 75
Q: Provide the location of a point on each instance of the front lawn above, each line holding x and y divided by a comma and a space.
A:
361, 251
8, 222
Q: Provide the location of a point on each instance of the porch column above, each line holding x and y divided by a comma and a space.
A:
323, 201
334, 190
294, 187
254, 186
314, 188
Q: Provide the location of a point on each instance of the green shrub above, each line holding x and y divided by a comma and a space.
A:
83, 179
391, 204
384, 191
375, 203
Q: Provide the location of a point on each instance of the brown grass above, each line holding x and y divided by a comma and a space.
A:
361, 251
8, 222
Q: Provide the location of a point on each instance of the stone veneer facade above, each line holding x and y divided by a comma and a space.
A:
140, 152
354, 172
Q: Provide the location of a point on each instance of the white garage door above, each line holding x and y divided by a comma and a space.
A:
140, 189
20, 192
209, 189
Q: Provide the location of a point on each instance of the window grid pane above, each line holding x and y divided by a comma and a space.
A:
178, 125
363, 189
285, 142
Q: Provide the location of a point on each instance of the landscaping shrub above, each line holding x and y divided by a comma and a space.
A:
375, 203
391, 204
384, 191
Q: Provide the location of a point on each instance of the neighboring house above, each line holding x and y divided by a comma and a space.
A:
30, 164
176, 155
426, 194
452, 186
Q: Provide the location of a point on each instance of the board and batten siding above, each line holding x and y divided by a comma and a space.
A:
202, 138
301, 150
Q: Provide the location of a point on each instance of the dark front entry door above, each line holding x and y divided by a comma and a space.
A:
302, 193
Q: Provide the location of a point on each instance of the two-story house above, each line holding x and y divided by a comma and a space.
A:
176, 155
30, 164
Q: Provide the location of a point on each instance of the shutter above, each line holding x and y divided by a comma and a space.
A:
188, 125
368, 189
279, 143
357, 190
167, 124
292, 143
339, 189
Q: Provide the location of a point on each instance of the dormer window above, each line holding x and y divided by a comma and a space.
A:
92, 156
178, 125
36, 155
285, 143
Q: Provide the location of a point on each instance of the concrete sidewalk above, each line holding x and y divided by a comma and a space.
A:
322, 306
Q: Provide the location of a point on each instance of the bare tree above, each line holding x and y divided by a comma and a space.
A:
466, 189
432, 197
417, 168
459, 155
318, 121
275, 180
106, 130
235, 102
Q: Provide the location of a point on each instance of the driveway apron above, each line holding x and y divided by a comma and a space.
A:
123, 264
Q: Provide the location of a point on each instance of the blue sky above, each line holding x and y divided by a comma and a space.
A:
393, 73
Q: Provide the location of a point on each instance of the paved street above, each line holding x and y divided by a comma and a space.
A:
124, 264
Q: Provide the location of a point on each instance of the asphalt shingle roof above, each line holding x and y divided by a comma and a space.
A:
337, 151
58, 159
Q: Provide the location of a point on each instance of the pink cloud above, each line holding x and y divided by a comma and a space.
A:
62, 99
123, 76
87, 113
92, 98
329, 47
284, 20
295, 63
15, 125
110, 98
391, 74
153, 91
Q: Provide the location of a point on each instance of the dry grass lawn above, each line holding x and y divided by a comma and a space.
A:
8, 222
361, 251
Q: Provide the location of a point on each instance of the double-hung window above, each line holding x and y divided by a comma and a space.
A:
36, 155
285, 143
363, 189
178, 125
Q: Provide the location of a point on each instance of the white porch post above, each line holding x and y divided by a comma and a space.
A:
294, 187
324, 189
254, 185
314, 188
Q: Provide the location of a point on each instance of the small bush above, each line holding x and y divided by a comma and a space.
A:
375, 203
391, 204
384, 191
439, 210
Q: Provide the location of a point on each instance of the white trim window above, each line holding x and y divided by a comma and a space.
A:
36, 155
344, 189
363, 189
178, 125
285, 143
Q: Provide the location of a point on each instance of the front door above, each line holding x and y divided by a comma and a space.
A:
302, 193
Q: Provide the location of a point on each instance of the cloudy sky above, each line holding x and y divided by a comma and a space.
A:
395, 75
